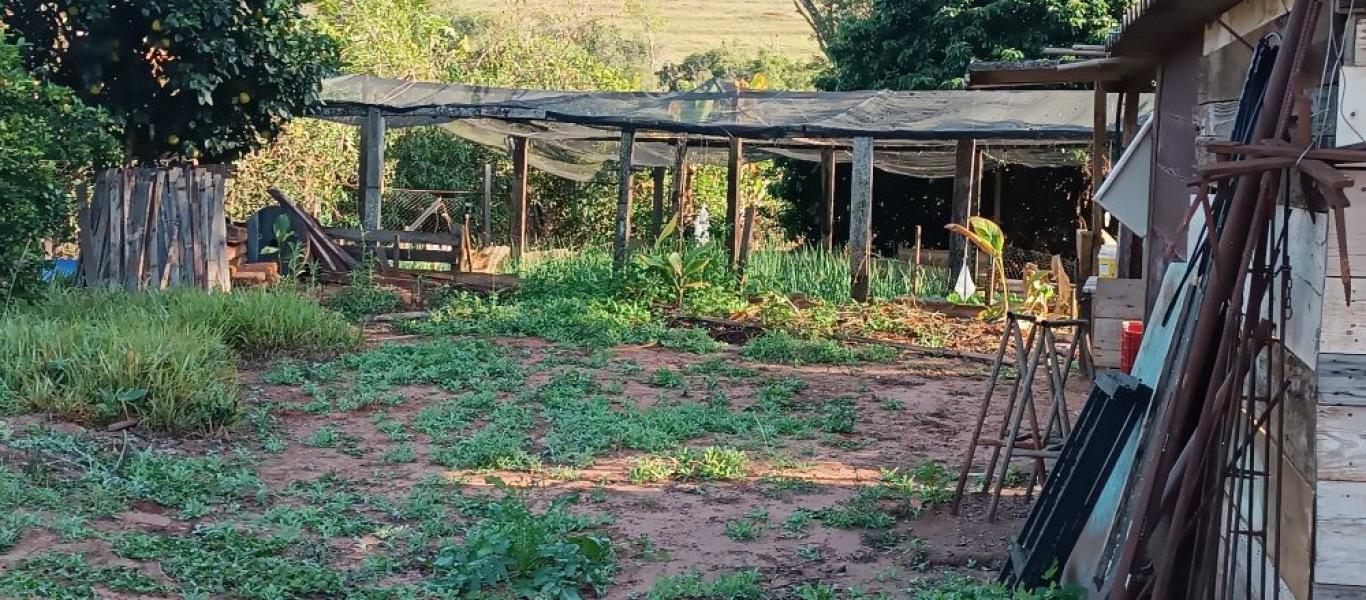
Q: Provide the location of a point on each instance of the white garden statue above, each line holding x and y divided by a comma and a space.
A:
701, 227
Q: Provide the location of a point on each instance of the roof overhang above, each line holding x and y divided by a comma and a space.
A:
1153, 26
1131, 73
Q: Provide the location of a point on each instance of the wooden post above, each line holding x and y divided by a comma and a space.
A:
486, 208
996, 194
371, 168
680, 187
916, 279
1086, 258
1099, 137
962, 205
746, 239
519, 190
657, 206
828, 199
733, 199
623, 233
861, 218
975, 206
1130, 117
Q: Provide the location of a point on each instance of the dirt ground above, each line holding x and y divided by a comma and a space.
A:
911, 412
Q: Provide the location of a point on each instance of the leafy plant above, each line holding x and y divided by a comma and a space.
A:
535, 555
680, 271
1039, 290
988, 238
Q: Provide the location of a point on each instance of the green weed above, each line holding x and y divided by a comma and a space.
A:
737, 585
748, 527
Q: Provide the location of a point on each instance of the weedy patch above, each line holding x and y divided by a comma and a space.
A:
706, 464
550, 554
738, 585
748, 527
783, 347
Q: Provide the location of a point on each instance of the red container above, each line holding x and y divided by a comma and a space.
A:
1130, 340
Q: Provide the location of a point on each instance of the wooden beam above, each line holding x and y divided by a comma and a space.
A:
519, 192
486, 207
657, 206
734, 199
861, 219
371, 168
828, 199
963, 183
623, 232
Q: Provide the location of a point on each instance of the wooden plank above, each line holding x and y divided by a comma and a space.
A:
139, 213
1328, 591
118, 202
746, 238
963, 184
385, 236
184, 225
1119, 299
1341, 443
198, 219
372, 168
218, 229
1105, 342
519, 192
1341, 533
828, 173
408, 254
734, 201
1344, 327
1342, 379
622, 237
861, 218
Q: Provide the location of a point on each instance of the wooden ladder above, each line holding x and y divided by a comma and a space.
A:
1040, 346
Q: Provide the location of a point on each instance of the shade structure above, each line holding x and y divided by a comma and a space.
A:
574, 133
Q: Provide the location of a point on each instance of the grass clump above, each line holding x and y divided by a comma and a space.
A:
62, 575
166, 359
171, 377
783, 347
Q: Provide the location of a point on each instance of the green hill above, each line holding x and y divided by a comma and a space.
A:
677, 28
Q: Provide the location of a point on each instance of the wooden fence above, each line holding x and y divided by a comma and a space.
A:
155, 228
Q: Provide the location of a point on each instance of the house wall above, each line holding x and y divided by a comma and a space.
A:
1340, 568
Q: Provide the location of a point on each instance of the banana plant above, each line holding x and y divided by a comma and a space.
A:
681, 271
988, 238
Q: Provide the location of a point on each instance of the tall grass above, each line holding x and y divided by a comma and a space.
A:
825, 275
165, 359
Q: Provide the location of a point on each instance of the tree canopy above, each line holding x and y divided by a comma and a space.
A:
47, 136
927, 44
202, 79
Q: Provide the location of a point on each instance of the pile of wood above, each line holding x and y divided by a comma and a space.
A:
154, 228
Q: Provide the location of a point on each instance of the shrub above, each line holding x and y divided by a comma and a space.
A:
49, 138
